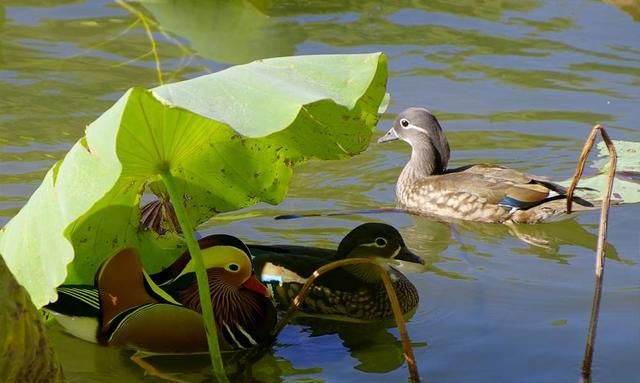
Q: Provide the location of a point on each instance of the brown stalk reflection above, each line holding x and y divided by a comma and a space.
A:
632, 7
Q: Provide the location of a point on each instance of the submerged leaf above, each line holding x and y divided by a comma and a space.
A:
230, 139
628, 157
626, 187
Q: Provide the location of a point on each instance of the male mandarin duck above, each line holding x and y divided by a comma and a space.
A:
484, 193
160, 313
352, 292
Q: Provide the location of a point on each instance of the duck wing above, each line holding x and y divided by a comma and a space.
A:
76, 301
135, 316
121, 285
77, 310
485, 193
506, 187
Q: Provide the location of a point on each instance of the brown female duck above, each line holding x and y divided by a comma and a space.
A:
349, 293
484, 193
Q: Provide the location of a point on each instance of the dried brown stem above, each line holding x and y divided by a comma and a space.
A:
393, 298
602, 237
151, 370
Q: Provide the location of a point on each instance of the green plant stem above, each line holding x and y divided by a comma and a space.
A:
201, 276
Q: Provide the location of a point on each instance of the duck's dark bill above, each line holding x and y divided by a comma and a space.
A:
390, 136
407, 255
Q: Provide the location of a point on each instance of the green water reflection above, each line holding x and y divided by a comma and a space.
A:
513, 82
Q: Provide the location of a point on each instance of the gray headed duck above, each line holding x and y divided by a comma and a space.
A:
484, 193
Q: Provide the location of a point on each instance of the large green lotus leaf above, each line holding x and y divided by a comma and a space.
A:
229, 140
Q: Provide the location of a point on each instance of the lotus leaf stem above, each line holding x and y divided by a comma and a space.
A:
201, 276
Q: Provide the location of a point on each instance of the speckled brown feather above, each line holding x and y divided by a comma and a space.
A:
474, 194
353, 292
484, 193
367, 302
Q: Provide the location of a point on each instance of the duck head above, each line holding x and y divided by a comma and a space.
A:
227, 261
420, 129
379, 242
234, 288
376, 240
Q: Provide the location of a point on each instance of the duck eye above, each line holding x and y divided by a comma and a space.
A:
381, 242
404, 122
233, 267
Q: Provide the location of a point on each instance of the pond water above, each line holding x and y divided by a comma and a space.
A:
518, 83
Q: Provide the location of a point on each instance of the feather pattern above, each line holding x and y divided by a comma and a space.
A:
127, 308
348, 293
485, 193
239, 308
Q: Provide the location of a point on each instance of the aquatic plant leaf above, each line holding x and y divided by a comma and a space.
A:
628, 157
626, 186
229, 139
27, 355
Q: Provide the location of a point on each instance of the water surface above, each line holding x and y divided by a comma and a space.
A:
518, 83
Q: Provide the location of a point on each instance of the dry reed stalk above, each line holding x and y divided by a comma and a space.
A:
393, 298
587, 360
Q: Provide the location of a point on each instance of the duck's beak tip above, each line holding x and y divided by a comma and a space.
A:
407, 255
391, 135
253, 284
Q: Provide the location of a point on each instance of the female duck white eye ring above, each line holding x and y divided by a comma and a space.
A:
381, 242
404, 122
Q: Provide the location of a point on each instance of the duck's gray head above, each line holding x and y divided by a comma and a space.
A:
420, 128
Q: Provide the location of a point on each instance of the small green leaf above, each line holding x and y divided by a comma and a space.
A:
628, 156
626, 186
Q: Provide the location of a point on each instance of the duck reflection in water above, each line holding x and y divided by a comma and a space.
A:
430, 237
375, 348
549, 241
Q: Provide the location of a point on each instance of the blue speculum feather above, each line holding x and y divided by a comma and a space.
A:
508, 201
